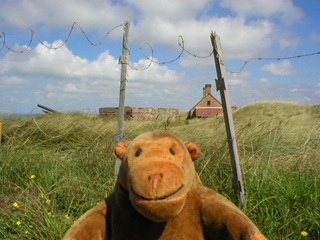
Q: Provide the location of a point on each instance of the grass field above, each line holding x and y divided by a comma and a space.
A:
49, 177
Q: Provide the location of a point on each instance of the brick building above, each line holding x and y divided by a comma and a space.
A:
208, 106
131, 113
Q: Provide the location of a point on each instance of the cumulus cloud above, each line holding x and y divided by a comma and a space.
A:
251, 90
264, 80
59, 65
67, 81
12, 81
286, 39
176, 11
283, 68
239, 39
95, 14
239, 79
314, 36
285, 8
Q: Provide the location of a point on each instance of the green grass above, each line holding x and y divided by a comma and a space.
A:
73, 167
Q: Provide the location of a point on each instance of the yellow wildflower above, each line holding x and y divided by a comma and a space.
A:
49, 214
32, 176
26, 231
18, 223
66, 216
48, 201
304, 233
16, 205
30, 226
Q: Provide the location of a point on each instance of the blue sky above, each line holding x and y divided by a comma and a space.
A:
81, 77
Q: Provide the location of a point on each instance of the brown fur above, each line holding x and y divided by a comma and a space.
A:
158, 195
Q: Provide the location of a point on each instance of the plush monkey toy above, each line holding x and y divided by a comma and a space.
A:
158, 195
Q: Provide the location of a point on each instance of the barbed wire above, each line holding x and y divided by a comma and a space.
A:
34, 35
151, 59
270, 59
183, 49
181, 44
58, 136
143, 69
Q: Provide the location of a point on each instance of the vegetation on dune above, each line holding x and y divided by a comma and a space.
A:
56, 166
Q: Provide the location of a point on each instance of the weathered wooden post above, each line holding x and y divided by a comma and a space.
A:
221, 84
124, 61
0, 133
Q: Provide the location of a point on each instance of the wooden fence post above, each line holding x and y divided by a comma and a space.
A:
124, 61
0, 132
221, 84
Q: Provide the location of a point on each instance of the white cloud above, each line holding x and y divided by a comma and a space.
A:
97, 14
69, 81
159, 23
13, 81
261, 90
262, 8
314, 36
176, 11
286, 39
264, 80
59, 65
239, 79
283, 68
63, 79
239, 40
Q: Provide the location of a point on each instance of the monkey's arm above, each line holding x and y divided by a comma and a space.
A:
223, 220
90, 226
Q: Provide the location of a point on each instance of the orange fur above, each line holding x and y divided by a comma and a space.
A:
158, 195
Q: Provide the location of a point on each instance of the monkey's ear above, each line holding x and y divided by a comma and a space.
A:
121, 148
193, 149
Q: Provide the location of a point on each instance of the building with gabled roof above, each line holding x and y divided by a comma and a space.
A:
208, 106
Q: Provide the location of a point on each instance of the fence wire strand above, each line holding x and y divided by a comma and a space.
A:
151, 58
34, 35
183, 49
270, 59
150, 62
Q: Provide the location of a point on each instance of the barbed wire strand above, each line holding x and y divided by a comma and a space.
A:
58, 136
34, 35
270, 59
20, 136
150, 62
183, 49
3, 39
151, 59
2, 33
167, 62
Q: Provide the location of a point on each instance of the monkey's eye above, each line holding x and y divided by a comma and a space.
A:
172, 151
138, 152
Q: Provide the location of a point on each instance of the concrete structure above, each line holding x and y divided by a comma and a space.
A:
140, 113
208, 106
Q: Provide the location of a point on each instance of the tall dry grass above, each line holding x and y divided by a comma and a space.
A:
54, 168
